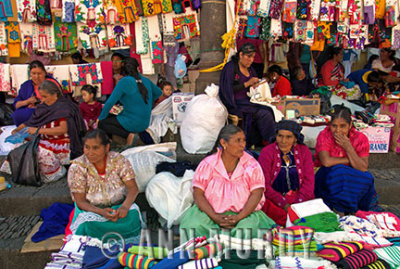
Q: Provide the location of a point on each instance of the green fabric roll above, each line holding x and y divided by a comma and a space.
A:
326, 222
201, 222
128, 227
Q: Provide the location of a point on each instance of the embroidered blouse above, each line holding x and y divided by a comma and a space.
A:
326, 142
331, 74
271, 163
109, 190
229, 193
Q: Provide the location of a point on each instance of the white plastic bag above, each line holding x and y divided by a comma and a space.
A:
145, 159
170, 196
204, 118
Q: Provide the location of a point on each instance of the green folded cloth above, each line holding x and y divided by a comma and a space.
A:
326, 222
153, 252
235, 262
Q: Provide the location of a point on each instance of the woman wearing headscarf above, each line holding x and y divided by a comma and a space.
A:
288, 170
236, 79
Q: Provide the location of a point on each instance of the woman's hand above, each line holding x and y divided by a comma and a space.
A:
222, 221
233, 220
32, 130
121, 212
110, 214
343, 141
251, 82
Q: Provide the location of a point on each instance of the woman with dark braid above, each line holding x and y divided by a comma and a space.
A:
137, 95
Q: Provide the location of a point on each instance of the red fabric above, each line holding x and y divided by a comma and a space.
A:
67, 229
90, 112
326, 74
282, 87
107, 86
270, 161
159, 100
133, 47
276, 213
326, 142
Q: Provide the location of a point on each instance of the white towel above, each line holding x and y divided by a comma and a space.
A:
168, 29
147, 64
142, 40
154, 28
19, 74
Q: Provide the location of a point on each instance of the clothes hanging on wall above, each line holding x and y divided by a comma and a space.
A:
43, 38
26, 10
66, 36
119, 36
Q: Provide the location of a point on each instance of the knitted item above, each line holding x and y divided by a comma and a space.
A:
292, 235
322, 222
358, 260
203, 263
135, 261
390, 254
207, 251
158, 252
379, 264
337, 251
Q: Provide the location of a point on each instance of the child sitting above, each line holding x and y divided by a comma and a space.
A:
166, 88
90, 108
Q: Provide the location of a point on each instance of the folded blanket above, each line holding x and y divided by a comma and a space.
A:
337, 251
358, 260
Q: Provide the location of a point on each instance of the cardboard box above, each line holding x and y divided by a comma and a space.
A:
180, 101
393, 111
378, 137
301, 107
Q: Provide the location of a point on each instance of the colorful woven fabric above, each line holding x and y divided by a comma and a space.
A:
207, 251
293, 235
156, 252
203, 263
135, 261
43, 12
358, 260
337, 251
379, 264
390, 254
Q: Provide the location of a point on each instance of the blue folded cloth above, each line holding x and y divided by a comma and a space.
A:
173, 263
95, 259
18, 137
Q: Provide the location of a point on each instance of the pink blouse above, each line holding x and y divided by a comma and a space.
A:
326, 142
226, 193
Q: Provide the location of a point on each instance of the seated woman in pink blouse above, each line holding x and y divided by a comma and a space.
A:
228, 190
288, 169
343, 181
332, 72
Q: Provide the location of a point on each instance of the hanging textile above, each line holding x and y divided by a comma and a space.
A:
68, 11
392, 13
43, 12
157, 52
315, 8
275, 10
242, 23
151, 7
26, 37
265, 29
111, 12
309, 33
242, 7
287, 30
119, 36
83, 74
3, 40
380, 9
179, 6
133, 53
263, 8
300, 30
186, 27
252, 8
142, 36
66, 37
19, 74
139, 7
5, 83
43, 38
13, 39
327, 12
26, 10
88, 11
369, 11
127, 11
396, 37
168, 29
253, 25
276, 28
302, 9
5, 10
289, 11
343, 9
61, 74
92, 37
56, 4
155, 40
356, 12
147, 65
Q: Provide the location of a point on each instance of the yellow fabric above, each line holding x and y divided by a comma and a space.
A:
127, 11
151, 7
14, 50
365, 76
318, 45
380, 9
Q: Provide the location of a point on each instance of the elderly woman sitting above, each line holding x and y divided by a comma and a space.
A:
228, 190
288, 169
102, 184
61, 127
343, 181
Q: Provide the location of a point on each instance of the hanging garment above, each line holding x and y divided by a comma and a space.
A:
168, 29
356, 12
392, 13
252, 8
43, 12
287, 30
242, 23
139, 7
253, 25
151, 7
127, 11
289, 11
263, 8
310, 31
83, 74
3, 40
110, 12
107, 86
343, 10
119, 36
157, 55
26, 37
300, 31
88, 11
302, 9
133, 53
327, 12
68, 11
369, 11
396, 37
315, 8
92, 37
155, 40
265, 29
275, 10
19, 74
276, 28
56, 4
26, 10
13, 39
186, 27
61, 74
43, 38
5, 10
5, 82
179, 6
380, 9
147, 65
66, 37
277, 51
142, 36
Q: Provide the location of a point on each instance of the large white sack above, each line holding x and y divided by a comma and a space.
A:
145, 159
311, 135
204, 118
170, 196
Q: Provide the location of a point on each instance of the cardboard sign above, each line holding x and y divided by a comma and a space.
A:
301, 107
379, 139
